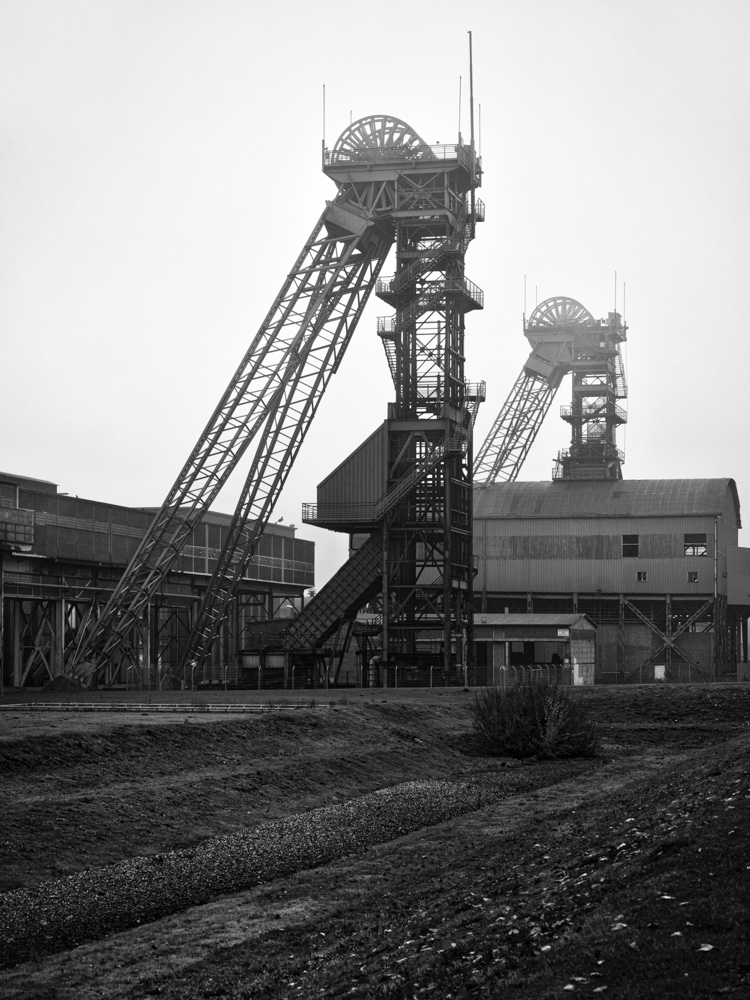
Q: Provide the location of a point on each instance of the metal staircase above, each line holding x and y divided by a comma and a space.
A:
357, 582
621, 380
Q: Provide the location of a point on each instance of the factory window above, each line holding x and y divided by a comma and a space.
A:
692, 577
629, 546
642, 576
695, 545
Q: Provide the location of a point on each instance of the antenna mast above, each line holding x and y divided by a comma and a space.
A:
460, 81
473, 150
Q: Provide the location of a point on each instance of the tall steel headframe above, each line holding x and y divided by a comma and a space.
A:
276, 389
427, 536
564, 337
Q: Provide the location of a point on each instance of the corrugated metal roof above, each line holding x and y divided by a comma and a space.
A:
619, 498
568, 620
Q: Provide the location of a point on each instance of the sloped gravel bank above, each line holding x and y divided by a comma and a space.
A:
61, 914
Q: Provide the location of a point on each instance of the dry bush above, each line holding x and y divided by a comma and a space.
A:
533, 719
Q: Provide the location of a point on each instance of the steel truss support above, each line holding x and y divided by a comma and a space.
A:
284, 431
38, 639
428, 563
516, 426
287, 359
668, 640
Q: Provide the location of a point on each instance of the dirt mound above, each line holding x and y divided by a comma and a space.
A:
490, 900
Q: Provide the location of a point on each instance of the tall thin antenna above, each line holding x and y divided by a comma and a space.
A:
480, 131
460, 81
323, 140
473, 151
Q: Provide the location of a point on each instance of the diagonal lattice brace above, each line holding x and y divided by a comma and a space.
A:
288, 335
283, 435
668, 641
506, 446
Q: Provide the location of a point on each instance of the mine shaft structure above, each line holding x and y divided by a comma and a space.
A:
417, 524
564, 338
427, 541
391, 187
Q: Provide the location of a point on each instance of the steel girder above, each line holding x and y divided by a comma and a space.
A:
310, 309
427, 581
668, 638
284, 431
514, 431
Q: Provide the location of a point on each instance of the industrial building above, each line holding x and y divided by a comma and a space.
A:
559, 648
654, 564
439, 539
61, 558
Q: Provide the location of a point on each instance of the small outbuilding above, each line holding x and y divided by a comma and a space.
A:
507, 645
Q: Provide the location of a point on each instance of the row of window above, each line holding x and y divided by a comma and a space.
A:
642, 576
695, 545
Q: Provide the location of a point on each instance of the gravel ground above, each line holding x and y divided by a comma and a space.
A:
64, 913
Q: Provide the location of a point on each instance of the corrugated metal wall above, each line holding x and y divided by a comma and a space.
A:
585, 555
67, 528
362, 477
738, 567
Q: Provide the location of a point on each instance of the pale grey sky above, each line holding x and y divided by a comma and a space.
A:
160, 172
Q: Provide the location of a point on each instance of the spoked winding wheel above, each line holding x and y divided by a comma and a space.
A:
381, 132
561, 311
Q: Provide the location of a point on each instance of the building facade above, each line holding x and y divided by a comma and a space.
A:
61, 556
654, 564
558, 648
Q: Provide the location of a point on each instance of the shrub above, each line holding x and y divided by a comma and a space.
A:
533, 719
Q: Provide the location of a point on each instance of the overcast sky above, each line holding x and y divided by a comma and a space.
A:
160, 172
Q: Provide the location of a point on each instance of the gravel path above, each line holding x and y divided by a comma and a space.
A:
61, 914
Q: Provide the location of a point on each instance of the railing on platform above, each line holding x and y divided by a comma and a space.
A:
451, 285
399, 154
592, 412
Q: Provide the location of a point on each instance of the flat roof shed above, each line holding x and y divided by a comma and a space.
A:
512, 642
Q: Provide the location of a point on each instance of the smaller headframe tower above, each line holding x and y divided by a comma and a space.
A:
598, 384
564, 337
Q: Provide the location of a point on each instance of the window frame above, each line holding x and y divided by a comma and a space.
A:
695, 544
630, 544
